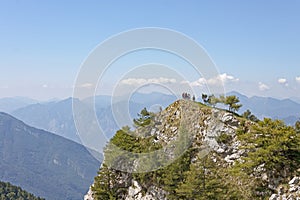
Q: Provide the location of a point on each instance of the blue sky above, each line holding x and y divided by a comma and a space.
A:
43, 43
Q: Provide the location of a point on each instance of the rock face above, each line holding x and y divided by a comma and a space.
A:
135, 193
291, 192
89, 195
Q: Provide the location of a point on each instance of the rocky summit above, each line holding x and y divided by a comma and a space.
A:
203, 153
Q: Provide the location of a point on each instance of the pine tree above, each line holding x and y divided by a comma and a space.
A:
203, 181
297, 126
232, 102
212, 100
273, 144
192, 186
144, 118
248, 115
104, 187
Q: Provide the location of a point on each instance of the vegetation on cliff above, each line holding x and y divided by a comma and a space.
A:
11, 192
250, 163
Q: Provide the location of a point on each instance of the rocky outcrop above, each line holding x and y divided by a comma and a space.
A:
153, 193
289, 192
203, 124
207, 128
89, 195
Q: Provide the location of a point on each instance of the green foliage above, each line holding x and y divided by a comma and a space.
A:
200, 182
222, 99
192, 184
11, 192
297, 126
212, 100
248, 115
144, 118
204, 180
272, 144
173, 174
105, 185
126, 140
224, 138
232, 102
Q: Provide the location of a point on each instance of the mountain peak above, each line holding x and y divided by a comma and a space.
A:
172, 153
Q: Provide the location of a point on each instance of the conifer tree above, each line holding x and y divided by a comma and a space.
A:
213, 100
232, 102
144, 118
297, 126
104, 187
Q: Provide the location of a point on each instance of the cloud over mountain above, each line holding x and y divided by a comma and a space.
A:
144, 81
263, 87
217, 80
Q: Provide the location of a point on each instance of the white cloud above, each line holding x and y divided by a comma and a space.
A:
218, 80
184, 82
263, 87
199, 82
86, 85
227, 78
298, 79
45, 86
134, 81
143, 81
282, 81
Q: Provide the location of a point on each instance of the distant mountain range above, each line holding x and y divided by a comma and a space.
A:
296, 99
57, 116
286, 109
10, 104
43, 163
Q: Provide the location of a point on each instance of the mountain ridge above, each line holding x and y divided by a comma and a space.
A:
57, 117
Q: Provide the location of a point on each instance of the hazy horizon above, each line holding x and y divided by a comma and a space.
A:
294, 98
254, 44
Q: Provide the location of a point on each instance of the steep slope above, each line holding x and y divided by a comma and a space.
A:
202, 153
43, 163
55, 117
